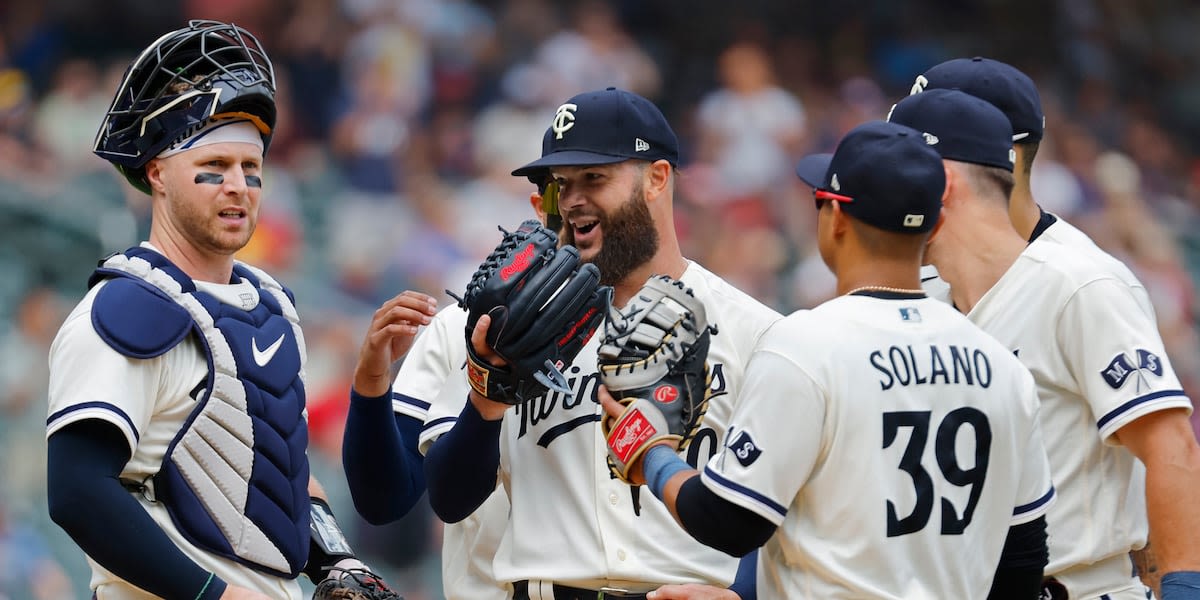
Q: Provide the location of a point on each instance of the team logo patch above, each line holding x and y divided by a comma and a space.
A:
744, 448
564, 119
1121, 367
910, 314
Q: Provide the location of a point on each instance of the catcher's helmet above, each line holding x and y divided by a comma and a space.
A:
206, 70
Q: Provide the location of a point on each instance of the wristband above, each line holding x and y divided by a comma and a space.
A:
1180, 585
659, 465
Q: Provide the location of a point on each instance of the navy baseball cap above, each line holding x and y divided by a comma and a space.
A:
883, 174
959, 126
604, 127
1005, 87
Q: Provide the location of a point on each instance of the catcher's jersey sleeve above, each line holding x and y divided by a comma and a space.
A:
873, 430
147, 399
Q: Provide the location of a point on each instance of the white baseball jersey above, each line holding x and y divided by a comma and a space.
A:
468, 546
1066, 234
571, 522
148, 400
1099, 363
893, 443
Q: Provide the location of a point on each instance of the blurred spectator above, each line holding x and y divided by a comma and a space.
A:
24, 376
28, 570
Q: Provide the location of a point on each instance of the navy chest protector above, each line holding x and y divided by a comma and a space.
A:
235, 477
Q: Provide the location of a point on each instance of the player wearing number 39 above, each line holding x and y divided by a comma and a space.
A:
884, 446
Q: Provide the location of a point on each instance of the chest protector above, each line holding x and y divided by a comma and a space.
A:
235, 477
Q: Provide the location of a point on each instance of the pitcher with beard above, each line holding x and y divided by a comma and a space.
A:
572, 530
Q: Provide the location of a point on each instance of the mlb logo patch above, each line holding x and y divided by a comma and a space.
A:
745, 449
910, 314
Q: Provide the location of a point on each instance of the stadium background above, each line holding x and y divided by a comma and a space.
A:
400, 120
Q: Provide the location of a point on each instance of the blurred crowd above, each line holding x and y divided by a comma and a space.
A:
401, 120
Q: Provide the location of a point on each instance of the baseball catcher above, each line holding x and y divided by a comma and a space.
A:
544, 305
653, 360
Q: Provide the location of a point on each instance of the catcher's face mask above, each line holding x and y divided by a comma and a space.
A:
185, 78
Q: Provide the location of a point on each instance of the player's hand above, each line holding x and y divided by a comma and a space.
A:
615, 409
234, 592
389, 337
490, 410
692, 591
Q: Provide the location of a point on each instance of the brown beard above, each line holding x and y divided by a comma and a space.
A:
630, 239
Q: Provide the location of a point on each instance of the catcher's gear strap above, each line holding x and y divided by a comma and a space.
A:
328, 545
235, 478
87, 501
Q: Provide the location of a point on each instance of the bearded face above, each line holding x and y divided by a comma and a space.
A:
629, 238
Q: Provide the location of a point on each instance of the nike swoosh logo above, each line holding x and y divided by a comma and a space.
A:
262, 357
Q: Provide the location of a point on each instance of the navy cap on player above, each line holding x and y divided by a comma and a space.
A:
604, 127
883, 174
959, 126
1001, 84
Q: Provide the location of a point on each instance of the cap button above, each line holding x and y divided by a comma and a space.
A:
609, 89
977, 59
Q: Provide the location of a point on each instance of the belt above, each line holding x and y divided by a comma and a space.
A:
566, 592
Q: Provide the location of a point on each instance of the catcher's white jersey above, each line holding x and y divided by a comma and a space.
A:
571, 522
148, 400
437, 356
893, 443
1099, 363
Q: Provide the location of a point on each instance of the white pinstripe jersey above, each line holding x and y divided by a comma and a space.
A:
893, 443
571, 522
468, 546
1099, 363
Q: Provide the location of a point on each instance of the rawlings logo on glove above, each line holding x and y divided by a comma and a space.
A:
356, 583
653, 359
544, 304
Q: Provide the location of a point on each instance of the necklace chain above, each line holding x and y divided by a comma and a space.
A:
884, 288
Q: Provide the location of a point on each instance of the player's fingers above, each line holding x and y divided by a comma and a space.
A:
479, 342
610, 404
423, 303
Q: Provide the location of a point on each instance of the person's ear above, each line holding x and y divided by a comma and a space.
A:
656, 179
154, 175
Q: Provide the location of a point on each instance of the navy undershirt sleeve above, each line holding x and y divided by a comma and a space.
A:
745, 582
1022, 562
461, 465
86, 499
384, 469
719, 523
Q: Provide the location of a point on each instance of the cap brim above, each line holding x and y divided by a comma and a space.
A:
567, 158
813, 168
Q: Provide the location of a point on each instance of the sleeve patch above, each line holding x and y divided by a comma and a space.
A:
1122, 367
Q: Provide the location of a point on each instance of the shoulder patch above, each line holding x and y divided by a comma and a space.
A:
137, 321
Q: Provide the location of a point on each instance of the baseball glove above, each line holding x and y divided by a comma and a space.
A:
544, 305
653, 360
353, 584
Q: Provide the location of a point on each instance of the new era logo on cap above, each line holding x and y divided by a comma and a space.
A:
640, 145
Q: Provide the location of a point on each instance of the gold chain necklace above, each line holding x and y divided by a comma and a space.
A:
883, 288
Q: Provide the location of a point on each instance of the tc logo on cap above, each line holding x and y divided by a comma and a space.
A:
564, 119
